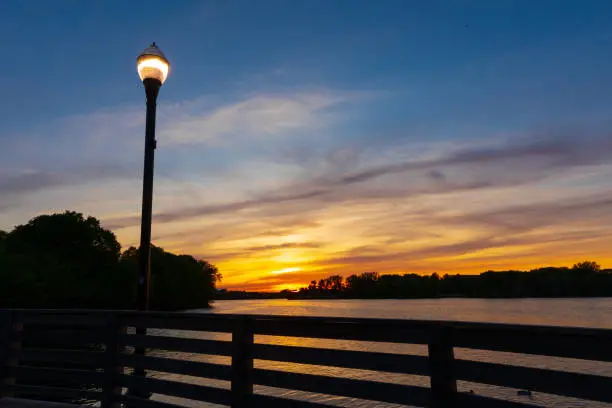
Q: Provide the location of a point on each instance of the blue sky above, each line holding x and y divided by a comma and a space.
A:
302, 138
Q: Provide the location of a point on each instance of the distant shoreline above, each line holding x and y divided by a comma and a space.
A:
263, 296
583, 280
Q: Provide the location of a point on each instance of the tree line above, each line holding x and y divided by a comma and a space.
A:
67, 260
585, 279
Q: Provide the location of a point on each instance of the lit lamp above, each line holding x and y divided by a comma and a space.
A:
153, 70
152, 64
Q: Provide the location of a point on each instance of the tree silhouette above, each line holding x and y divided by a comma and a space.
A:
583, 279
66, 260
178, 282
587, 267
62, 259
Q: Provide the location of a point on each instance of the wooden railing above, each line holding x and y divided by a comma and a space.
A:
73, 354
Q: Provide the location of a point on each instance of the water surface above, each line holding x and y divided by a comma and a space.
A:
589, 312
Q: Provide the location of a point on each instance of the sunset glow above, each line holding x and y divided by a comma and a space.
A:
286, 270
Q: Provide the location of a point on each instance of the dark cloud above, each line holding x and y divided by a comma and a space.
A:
523, 218
30, 182
437, 175
562, 151
188, 213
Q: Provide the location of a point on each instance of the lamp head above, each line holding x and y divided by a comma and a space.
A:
152, 64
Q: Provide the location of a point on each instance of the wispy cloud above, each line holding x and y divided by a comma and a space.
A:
549, 151
105, 145
18, 190
285, 245
256, 116
32, 181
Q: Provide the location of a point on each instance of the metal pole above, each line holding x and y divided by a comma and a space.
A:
144, 262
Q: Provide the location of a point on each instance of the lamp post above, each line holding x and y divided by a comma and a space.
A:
153, 69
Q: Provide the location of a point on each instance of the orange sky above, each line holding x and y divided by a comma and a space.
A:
283, 246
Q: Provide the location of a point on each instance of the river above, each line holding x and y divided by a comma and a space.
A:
591, 312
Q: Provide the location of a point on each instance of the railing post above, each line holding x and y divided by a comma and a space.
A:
111, 390
242, 362
9, 351
139, 351
441, 363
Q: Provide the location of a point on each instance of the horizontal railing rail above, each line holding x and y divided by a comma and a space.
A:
88, 356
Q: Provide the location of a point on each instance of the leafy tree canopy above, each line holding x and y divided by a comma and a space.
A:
67, 260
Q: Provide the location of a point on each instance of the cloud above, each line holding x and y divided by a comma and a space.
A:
75, 147
527, 217
33, 181
188, 213
286, 245
229, 230
551, 151
251, 252
437, 175
105, 145
94, 149
104, 137
37, 180
255, 117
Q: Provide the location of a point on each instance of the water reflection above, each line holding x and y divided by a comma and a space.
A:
584, 312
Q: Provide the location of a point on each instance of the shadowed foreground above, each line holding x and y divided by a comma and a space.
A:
24, 403
241, 381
